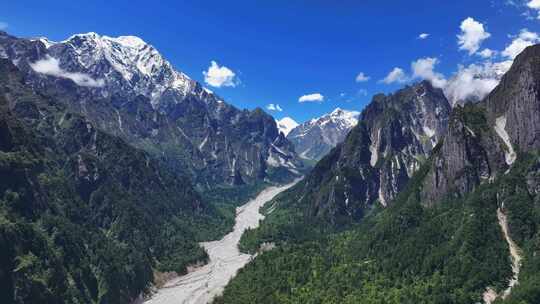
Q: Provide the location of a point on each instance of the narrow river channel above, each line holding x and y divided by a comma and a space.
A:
208, 281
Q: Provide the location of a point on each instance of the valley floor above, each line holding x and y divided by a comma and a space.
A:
208, 281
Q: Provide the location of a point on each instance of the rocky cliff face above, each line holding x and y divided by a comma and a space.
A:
395, 135
126, 88
315, 138
514, 104
485, 139
482, 176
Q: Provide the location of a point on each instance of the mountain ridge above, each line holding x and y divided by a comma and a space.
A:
383, 151
465, 228
137, 95
84, 216
316, 137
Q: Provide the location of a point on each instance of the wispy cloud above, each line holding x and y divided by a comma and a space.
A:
362, 92
424, 68
487, 53
423, 36
534, 5
220, 76
274, 107
519, 43
475, 80
397, 75
315, 97
51, 66
361, 77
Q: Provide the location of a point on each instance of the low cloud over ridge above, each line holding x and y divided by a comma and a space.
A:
51, 66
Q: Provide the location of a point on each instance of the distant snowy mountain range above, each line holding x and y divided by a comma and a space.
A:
315, 138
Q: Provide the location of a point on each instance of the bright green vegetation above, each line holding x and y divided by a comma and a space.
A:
408, 253
84, 217
520, 193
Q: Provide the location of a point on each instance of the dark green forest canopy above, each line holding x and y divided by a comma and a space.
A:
84, 217
409, 253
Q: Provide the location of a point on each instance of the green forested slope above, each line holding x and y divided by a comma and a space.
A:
410, 253
84, 217
441, 240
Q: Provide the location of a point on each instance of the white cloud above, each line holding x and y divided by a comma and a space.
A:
3, 25
362, 92
51, 66
479, 79
535, 5
315, 97
220, 76
472, 35
487, 53
397, 75
425, 68
361, 77
475, 81
423, 36
523, 40
274, 107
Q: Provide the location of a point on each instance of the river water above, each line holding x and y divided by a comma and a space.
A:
208, 281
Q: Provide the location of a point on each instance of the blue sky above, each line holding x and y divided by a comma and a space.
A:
282, 50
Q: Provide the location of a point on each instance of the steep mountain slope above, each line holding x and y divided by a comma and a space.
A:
315, 138
85, 217
126, 88
286, 125
465, 229
485, 139
395, 134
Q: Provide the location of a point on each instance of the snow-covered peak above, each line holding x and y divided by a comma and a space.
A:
127, 61
314, 138
342, 118
90, 35
48, 43
286, 124
127, 54
128, 41
349, 117
133, 42
337, 111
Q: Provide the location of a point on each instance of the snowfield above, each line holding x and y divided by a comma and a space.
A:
208, 281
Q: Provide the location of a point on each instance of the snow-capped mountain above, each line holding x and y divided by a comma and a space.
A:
124, 64
286, 124
125, 87
315, 138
